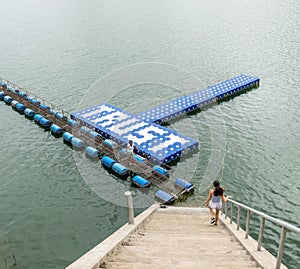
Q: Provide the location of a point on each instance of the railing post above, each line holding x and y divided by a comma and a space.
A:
247, 224
261, 233
238, 221
226, 210
280, 248
129, 207
231, 213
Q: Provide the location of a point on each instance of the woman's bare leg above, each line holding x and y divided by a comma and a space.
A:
217, 215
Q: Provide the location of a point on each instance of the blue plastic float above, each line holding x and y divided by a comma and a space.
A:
77, 143
68, 137
164, 197
93, 134
139, 158
7, 99
140, 181
23, 94
60, 116
72, 122
28, 112
107, 161
56, 129
109, 143
119, 169
44, 106
37, 118
91, 152
44, 122
158, 169
20, 107
184, 184
34, 101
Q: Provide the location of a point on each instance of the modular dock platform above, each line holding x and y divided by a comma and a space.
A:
160, 144
198, 99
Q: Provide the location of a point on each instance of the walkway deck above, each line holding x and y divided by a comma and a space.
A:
175, 238
198, 99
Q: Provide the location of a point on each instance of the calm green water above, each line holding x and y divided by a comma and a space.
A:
58, 49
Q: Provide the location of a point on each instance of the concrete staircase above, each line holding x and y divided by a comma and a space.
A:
174, 239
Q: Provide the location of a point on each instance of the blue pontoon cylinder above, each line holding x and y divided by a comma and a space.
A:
44, 107
56, 129
2, 94
109, 143
164, 197
139, 158
184, 184
37, 118
161, 170
28, 112
77, 143
107, 161
140, 181
119, 169
44, 122
92, 152
72, 122
7, 99
68, 137
60, 116
20, 107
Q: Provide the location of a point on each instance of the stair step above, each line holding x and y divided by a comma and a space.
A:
156, 262
120, 265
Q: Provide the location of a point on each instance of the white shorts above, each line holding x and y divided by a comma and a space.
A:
215, 205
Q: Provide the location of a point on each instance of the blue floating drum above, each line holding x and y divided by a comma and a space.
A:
56, 129
119, 169
91, 152
140, 181
164, 197
107, 161
37, 118
184, 184
77, 143
7, 99
28, 112
20, 107
158, 169
68, 137
44, 122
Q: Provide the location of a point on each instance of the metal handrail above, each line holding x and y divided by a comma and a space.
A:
284, 226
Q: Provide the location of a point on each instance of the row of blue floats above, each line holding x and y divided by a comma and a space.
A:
141, 182
91, 152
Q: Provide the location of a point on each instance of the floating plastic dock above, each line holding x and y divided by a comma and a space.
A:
188, 103
160, 144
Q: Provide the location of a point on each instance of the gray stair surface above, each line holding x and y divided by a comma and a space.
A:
179, 240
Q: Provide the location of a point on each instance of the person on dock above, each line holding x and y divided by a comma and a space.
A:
130, 148
214, 201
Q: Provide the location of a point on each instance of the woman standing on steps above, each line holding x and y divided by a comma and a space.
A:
214, 201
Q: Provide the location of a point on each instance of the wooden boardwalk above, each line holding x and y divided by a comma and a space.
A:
174, 238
